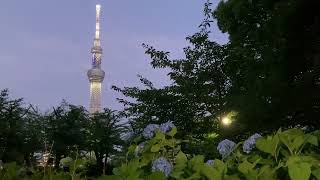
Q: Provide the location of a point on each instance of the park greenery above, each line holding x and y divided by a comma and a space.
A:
265, 80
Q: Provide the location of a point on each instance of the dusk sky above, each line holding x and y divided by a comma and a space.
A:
45, 45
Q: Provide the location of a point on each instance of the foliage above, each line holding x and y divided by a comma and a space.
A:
268, 72
66, 131
272, 44
19, 132
272, 62
290, 154
104, 136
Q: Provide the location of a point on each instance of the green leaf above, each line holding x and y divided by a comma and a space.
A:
312, 139
155, 148
268, 144
197, 162
267, 173
293, 139
113, 177
232, 177
132, 148
172, 132
159, 136
316, 173
220, 170
146, 158
169, 142
208, 171
181, 163
247, 169
220, 166
156, 176
298, 169
181, 160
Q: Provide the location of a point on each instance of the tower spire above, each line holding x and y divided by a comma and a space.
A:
98, 8
96, 74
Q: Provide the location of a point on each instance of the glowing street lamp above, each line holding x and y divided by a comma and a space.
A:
226, 121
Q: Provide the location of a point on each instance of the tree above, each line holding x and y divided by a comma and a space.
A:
65, 130
104, 136
15, 135
195, 101
33, 134
273, 62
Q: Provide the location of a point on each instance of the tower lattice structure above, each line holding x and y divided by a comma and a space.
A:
96, 74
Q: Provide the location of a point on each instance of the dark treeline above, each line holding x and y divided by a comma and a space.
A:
63, 132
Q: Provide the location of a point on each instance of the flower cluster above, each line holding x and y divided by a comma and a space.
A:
166, 127
139, 149
210, 162
249, 144
163, 165
127, 136
149, 131
225, 147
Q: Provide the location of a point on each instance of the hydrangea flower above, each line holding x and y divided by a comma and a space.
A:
139, 149
127, 136
163, 165
225, 147
166, 127
249, 144
210, 162
149, 131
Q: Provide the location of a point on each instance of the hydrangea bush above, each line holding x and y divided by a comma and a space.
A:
156, 155
290, 154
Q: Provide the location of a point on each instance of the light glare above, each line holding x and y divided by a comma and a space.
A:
226, 121
98, 7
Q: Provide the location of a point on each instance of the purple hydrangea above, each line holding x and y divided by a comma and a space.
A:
225, 147
166, 127
210, 162
163, 165
127, 136
139, 149
149, 131
249, 144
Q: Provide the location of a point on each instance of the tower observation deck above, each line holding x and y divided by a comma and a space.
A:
96, 74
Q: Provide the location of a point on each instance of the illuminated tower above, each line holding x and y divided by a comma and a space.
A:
96, 74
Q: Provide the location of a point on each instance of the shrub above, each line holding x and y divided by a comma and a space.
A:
290, 154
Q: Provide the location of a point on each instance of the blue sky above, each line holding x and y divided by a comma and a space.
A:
45, 45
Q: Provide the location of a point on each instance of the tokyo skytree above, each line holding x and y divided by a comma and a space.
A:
96, 74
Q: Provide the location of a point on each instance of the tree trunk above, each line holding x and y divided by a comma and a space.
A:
57, 160
99, 161
27, 159
105, 164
